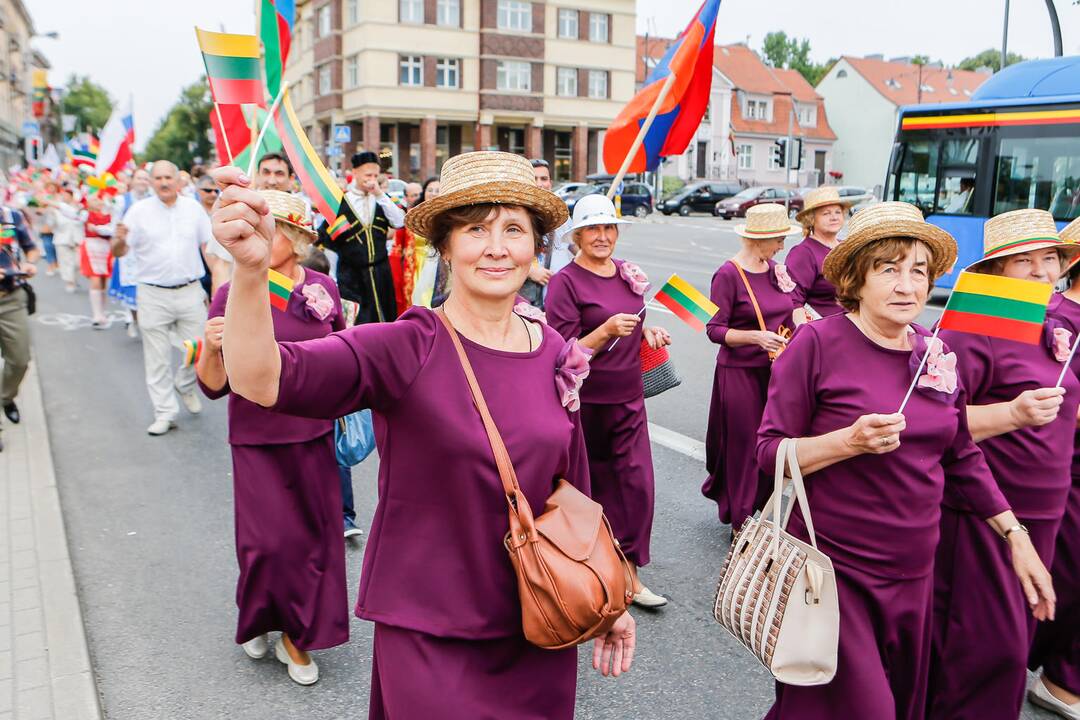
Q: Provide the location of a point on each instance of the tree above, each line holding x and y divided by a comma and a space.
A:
780, 51
182, 134
88, 102
990, 58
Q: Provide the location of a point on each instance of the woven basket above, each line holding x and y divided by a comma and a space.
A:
658, 374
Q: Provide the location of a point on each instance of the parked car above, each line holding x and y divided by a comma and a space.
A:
569, 189
636, 198
737, 205
698, 197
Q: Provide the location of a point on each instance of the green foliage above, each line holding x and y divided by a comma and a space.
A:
88, 102
920, 60
780, 51
182, 135
671, 185
989, 58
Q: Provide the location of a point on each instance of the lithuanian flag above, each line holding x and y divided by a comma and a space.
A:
7, 235
316, 180
232, 67
281, 287
998, 307
276, 20
192, 351
689, 305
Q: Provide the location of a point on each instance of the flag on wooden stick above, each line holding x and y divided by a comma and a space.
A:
281, 287
192, 351
997, 306
232, 67
689, 305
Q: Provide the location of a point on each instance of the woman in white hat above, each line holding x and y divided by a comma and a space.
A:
285, 481
601, 301
753, 294
822, 218
1025, 427
436, 581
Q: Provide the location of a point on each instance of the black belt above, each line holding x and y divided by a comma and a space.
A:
172, 287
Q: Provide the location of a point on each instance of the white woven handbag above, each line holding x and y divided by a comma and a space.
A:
777, 594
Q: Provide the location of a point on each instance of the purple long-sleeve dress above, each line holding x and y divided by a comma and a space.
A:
804, 262
876, 516
1057, 643
740, 383
975, 673
612, 401
436, 579
287, 497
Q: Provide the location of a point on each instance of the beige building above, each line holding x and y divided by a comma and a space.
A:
422, 80
17, 60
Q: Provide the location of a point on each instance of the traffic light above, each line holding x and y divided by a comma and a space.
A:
797, 155
779, 152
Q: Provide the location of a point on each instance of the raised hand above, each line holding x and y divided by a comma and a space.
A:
241, 221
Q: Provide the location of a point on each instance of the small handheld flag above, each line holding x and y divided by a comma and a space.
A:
232, 67
281, 287
689, 305
192, 351
997, 306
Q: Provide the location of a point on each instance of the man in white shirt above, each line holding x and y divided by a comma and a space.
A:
166, 234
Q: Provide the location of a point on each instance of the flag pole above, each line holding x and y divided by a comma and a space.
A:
266, 125
1068, 360
918, 371
641, 135
224, 134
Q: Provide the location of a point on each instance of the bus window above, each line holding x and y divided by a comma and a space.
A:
1041, 173
917, 174
956, 192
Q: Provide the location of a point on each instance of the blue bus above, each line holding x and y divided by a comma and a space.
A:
1015, 144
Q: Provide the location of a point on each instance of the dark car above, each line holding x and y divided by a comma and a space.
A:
636, 198
737, 205
698, 197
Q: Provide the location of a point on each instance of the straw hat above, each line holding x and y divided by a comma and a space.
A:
488, 177
1021, 231
766, 222
596, 209
820, 197
890, 220
1071, 234
289, 209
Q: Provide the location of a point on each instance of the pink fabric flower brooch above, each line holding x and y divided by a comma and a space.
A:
783, 280
571, 369
319, 304
635, 277
530, 312
1061, 344
940, 369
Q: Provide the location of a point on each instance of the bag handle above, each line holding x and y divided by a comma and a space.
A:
519, 505
786, 455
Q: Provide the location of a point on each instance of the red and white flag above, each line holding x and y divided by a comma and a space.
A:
117, 139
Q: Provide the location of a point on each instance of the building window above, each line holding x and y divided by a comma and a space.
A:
568, 24
745, 153
447, 71
352, 11
325, 21
598, 84
841, 74
598, 27
515, 15
412, 70
324, 80
757, 110
448, 12
411, 11
566, 82
352, 71
808, 116
513, 76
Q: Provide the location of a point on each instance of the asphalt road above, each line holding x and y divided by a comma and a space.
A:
150, 527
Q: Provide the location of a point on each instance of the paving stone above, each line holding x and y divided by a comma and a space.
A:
31, 674
28, 621
29, 646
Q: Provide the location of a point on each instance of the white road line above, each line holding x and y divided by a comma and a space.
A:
677, 441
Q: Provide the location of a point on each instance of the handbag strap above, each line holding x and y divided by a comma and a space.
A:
786, 456
514, 496
753, 297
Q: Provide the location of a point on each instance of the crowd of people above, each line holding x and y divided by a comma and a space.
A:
952, 525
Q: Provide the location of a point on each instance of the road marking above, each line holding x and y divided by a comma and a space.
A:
678, 442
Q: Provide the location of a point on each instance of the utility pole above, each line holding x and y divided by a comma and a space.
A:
787, 151
1005, 37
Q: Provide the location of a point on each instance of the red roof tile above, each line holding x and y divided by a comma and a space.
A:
898, 82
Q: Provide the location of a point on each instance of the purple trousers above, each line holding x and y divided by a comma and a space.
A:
883, 655
735, 482
621, 471
416, 676
288, 543
983, 627
1057, 643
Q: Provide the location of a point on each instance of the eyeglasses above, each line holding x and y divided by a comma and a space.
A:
210, 190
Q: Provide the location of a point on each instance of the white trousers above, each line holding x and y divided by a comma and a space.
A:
163, 312
67, 260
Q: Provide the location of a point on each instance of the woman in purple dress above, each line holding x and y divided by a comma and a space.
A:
751, 326
436, 579
874, 477
822, 217
601, 301
1024, 425
286, 495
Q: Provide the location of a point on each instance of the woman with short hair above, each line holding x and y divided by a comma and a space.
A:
822, 218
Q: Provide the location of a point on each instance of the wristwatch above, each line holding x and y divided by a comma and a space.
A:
1014, 528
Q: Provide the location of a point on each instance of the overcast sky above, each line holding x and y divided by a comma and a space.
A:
147, 47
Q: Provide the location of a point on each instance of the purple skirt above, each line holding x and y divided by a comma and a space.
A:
416, 676
983, 627
735, 482
882, 656
288, 543
621, 471
1057, 643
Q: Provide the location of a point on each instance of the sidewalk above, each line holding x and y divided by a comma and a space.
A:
44, 663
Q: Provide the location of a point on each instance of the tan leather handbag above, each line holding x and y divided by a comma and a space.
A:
777, 594
573, 580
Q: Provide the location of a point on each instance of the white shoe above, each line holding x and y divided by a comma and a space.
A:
646, 598
257, 647
160, 427
191, 402
1039, 695
132, 330
302, 674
